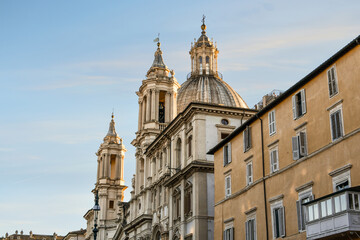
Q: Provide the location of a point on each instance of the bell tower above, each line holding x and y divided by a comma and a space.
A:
110, 179
157, 108
203, 55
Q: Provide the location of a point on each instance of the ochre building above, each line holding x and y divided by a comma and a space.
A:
292, 170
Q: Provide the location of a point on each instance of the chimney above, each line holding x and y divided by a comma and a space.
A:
16, 232
22, 232
31, 235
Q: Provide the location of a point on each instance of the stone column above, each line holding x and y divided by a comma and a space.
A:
98, 169
121, 166
143, 112
148, 100
104, 166
167, 107
140, 116
153, 105
117, 167
157, 92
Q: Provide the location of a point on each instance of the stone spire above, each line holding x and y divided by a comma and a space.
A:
112, 136
158, 66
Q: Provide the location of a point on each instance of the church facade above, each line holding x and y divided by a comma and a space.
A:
172, 194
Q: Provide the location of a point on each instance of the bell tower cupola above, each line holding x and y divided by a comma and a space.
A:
203, 54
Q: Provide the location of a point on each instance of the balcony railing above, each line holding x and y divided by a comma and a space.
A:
162, 126
335, 215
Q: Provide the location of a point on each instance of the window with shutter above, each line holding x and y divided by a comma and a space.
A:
228, 186
274, 161
272, 126
250, 229
301, 211
247, 138
249, 173
278, 222
226, 155
332, 82
299, 145
299, 104
336, 125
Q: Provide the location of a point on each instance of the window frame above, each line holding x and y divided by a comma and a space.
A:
332, 82
249, 178
274, 207
300, 141
274, 149
301, 210
228, 233
296, 105
272, 122
227, 187
247, 138
249, 219
337, 109
227, 154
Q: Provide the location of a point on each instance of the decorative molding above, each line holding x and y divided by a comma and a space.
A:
300, 126
335, 104
304, 186
340, 170
248, 158
224, 126
273, 143
228, 171
250, 211
276, 198
229, 220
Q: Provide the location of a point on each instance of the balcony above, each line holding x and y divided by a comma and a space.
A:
162, 126
334, 216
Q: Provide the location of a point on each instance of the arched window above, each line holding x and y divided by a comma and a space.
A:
158, 236
178, 153
200, 65
189, 148
207, 67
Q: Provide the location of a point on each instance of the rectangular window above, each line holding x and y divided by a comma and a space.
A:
326, 208
227, 154
336, 125
228, 186
250, 229
247, 138
229, 234
274, 160
313, 212
111, 204
301, 211
299, 104
272, 125
354, 201
342, 185
332, 81
278, 222
249, 173
340, 203
299, 146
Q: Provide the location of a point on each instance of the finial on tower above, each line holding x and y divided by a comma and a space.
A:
203, 26
158, 40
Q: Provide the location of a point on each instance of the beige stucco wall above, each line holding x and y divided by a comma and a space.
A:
292, 174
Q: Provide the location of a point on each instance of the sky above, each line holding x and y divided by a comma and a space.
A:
66, 65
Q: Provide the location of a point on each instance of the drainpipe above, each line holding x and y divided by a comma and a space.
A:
263, 170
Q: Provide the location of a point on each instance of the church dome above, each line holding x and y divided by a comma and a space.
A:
205, 83
208, 89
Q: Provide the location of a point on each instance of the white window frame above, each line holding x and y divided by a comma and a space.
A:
341, 178
334, 81
247, 138
227, 154
299, 145
227, 185
228, 233
272, 122
249, 219
249, 177
295, 106
273, 207
301, 210
333, 111
271, 151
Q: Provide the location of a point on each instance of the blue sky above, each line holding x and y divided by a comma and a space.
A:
64, 65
